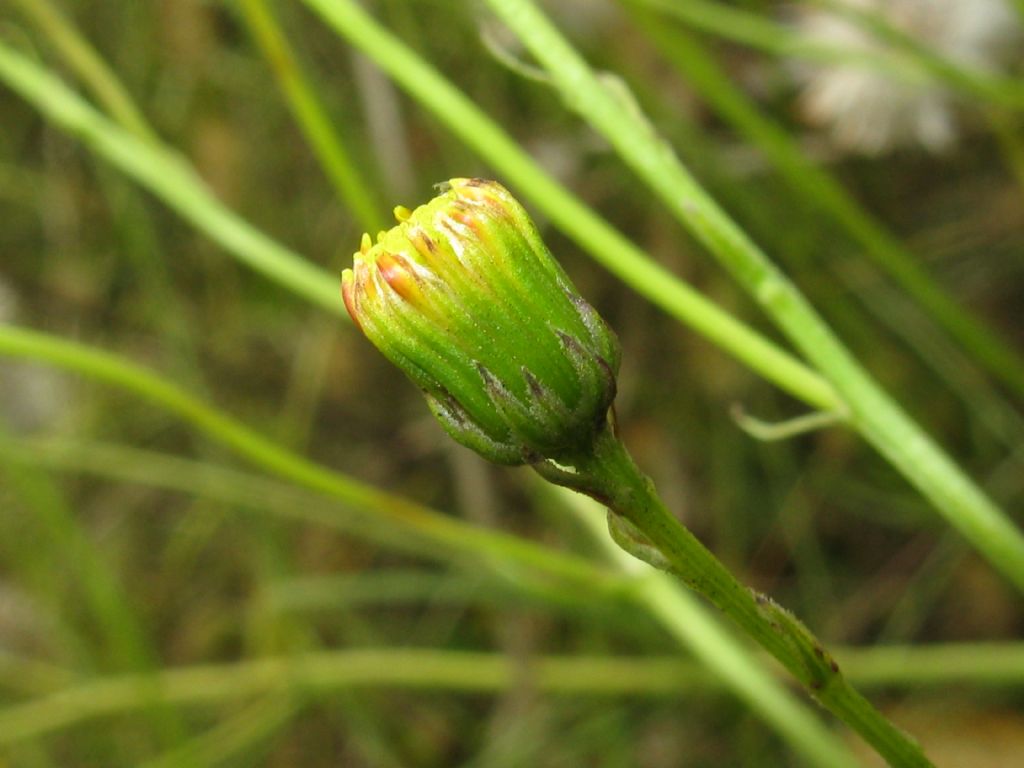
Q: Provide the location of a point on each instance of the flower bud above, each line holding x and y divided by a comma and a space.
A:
466, 299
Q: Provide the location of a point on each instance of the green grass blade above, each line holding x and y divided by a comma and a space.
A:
168, 176
233, 740
82, 58
474, 673
124, 644
410, 533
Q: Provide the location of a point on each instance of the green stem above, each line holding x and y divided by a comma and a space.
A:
873, 413
685, 617
63, 701
525, 564
169, 176
82, 58
643, 526
63, 544
423, 669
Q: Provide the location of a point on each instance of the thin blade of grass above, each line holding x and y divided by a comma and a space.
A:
90, 67
475, 673
170, 177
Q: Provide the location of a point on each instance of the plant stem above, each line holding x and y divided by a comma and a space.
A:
873, 413
82, 58
170, 177
62, 700
62, 543
642, 525
407, 668
685, 617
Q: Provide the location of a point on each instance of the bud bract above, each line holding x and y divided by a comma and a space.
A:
466, 299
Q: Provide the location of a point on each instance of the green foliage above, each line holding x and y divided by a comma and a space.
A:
229, 535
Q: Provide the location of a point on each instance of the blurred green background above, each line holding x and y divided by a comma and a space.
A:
134, 544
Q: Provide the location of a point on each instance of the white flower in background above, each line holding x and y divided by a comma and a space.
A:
869, 111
